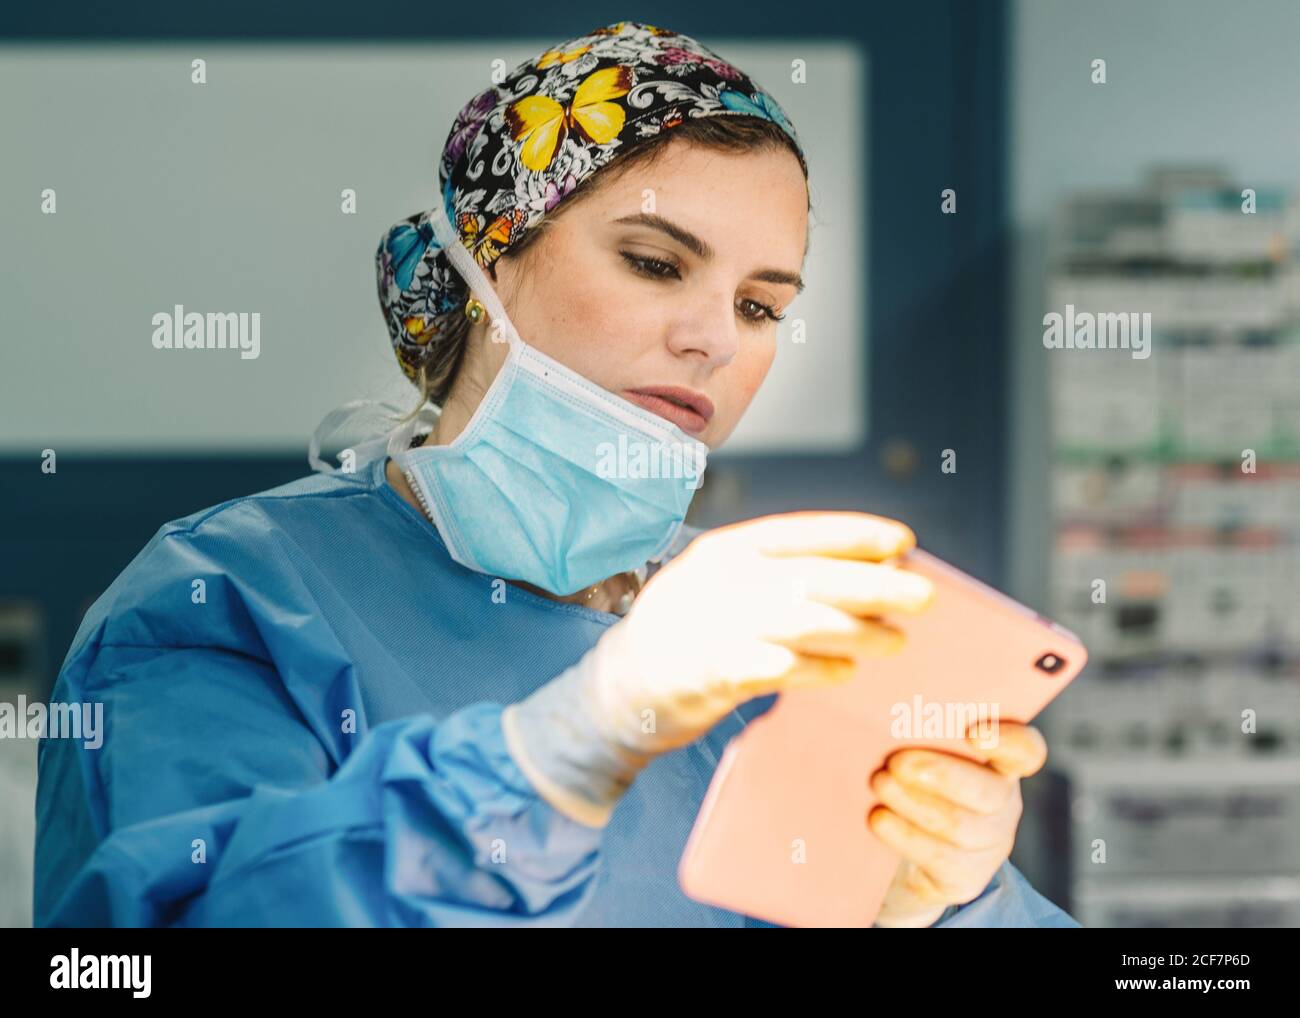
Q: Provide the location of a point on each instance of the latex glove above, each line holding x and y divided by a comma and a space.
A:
953, 820
746, 610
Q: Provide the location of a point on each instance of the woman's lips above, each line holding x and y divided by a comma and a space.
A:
693, 418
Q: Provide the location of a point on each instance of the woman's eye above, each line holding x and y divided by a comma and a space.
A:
655, 268
754, 311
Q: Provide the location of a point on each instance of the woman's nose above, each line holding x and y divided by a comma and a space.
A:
707, 327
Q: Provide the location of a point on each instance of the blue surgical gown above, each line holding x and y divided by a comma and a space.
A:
302, 696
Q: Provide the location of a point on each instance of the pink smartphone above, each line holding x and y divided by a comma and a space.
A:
782, 832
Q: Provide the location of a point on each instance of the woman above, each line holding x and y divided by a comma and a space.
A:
416, 693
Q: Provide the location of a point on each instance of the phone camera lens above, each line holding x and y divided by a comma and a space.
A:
1050, 663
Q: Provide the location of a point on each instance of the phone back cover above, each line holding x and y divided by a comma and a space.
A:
782, 833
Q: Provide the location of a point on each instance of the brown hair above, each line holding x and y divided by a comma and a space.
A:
737, 133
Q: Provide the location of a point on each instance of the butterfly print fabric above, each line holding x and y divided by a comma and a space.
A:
517, 150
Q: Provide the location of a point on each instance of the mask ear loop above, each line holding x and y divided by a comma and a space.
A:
330, 423
470, 272
399, 440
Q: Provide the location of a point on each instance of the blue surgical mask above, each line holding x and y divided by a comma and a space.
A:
555, 481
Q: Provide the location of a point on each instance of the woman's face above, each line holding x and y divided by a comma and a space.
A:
667, 278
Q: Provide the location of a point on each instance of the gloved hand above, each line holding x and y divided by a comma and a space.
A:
953, 820
746, 610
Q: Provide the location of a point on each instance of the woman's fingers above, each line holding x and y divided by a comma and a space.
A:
859, 588
756, 668
961, 827
833, 534
949, 874
962, 782
796, 645
1017, 750
813, 628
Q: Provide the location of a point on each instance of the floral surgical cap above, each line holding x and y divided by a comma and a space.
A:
518, 149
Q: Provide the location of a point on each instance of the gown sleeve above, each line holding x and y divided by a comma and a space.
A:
211, 803
1008, 901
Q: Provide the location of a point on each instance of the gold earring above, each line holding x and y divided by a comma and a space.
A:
475, 311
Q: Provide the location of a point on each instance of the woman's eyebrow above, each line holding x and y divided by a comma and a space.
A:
779, 276
702, 250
